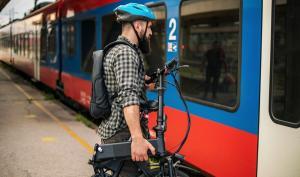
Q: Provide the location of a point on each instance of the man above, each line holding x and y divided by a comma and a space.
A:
215, 58
124, 77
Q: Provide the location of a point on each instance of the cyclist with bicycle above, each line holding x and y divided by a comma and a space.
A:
125, 77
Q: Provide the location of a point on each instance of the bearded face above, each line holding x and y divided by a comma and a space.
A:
144, 45
144, 42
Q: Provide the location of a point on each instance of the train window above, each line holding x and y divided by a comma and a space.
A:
70, 39
43, 43
25, 44
210, 43
28, 44
88, 44
22, 44
112, 29
38, 44
19, 44
51, 45
285, 78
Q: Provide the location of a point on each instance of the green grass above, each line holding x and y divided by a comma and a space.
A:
85, 121
48, 96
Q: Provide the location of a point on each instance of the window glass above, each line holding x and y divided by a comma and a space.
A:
37, 44
28, 45
88, 44
51, 45
70, 39
15, 44
210, 43
23, 44
18, 44
43, 48
285, 102
31, 45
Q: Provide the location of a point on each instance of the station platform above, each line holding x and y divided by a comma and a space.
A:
40, 137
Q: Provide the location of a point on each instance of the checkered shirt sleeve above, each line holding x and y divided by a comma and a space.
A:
124, 75
126, 69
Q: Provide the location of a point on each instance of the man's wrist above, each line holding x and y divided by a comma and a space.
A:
137, 137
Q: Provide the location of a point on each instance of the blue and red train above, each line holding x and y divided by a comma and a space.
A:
241, 86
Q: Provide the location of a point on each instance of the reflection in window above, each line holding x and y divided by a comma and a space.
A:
210, 45
112, 29
285, 75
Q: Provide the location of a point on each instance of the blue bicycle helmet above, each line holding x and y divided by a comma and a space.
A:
133, 11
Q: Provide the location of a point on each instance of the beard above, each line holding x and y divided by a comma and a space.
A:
144, 44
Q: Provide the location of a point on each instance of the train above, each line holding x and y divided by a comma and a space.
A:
242, 86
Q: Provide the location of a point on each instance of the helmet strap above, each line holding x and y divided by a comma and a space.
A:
145, 30
136, 33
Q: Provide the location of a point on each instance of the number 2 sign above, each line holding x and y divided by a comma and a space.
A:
172, 44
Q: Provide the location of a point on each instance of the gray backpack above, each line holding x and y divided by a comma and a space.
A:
100, 106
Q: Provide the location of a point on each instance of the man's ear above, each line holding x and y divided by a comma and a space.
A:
136, 25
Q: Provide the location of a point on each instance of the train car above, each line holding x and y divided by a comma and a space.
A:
241, 87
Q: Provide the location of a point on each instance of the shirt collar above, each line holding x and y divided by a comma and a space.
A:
127, 40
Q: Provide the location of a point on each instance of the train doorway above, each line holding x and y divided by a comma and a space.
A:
88, 44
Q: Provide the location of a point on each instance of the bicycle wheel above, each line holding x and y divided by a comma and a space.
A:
156, 173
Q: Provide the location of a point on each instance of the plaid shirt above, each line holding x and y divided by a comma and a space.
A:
124, 75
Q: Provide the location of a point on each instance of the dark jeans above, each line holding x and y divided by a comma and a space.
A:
215, 75
129, 169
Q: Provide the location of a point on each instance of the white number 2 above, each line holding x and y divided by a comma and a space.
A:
172, 25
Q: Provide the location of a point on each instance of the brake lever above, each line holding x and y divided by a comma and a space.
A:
153, 78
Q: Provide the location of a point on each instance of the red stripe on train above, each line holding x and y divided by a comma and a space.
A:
77, 89
213, 147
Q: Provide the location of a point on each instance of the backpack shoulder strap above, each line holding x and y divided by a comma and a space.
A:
114, 43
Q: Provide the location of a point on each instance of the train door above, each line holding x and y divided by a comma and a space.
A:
279, 132
88, 44
220, 41
49, 48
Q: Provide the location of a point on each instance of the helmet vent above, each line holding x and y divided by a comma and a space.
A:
137, 8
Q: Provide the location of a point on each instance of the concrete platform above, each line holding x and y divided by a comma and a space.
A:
40, 137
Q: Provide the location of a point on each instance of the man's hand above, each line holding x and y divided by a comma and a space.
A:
139, 149
149, 86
